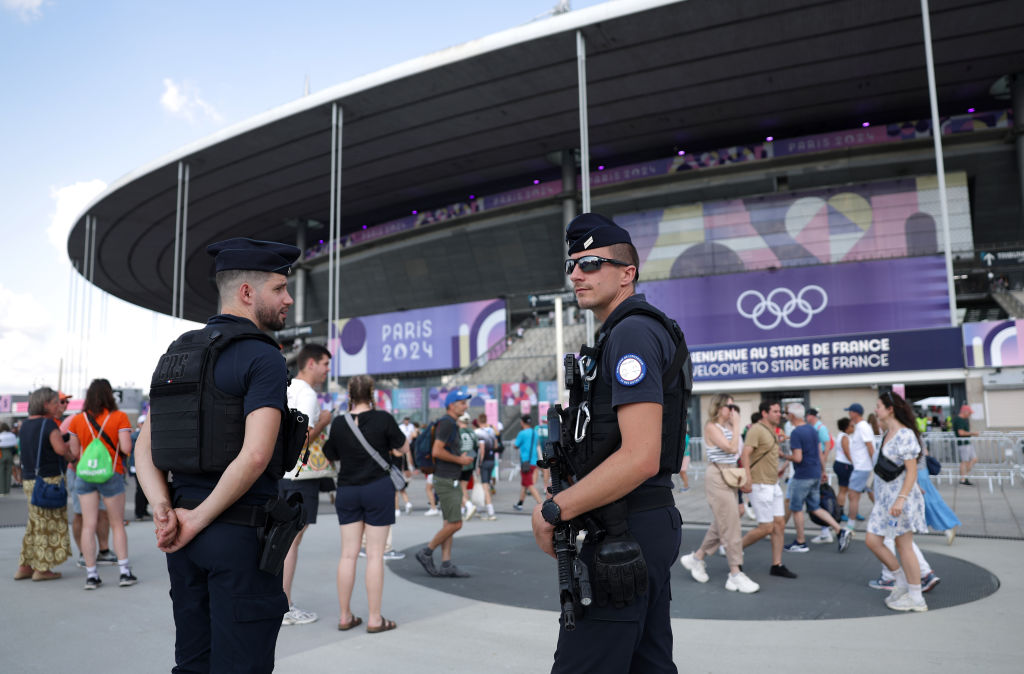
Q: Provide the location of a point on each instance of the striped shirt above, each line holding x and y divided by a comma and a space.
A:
714, 454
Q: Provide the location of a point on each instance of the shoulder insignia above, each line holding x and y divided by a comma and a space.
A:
630, 370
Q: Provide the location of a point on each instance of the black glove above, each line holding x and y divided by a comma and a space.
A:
620, 570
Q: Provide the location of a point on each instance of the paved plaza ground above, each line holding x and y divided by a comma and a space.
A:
504, 618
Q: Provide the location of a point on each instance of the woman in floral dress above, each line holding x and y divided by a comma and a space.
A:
899, 504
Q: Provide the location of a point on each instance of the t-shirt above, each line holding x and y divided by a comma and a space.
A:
824, 439
637, 352
764, 457
111, 423
486, 435
448, 431
8, 440
961, 424
468, 445
526, 443
50, 465
805, 438
355, 466
861, 435
840, 456
407, 429
256, 372
302, 397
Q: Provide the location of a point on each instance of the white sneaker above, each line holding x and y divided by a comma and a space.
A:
906, 603
297, 616
432, 512
897, 592
741, 583
695, 567
721, 550
397, 513
408, 507
823, 537
470, 511
749, 510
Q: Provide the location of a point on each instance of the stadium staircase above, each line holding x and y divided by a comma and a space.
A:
528, 358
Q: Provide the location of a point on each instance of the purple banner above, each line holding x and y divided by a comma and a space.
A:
902, 294
437, 338
994, 343
898, 351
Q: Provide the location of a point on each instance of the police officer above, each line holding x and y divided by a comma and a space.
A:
635, 432
209, 519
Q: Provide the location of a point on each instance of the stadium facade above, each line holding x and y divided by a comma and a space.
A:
775, 163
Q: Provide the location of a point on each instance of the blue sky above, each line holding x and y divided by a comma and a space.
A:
92, 90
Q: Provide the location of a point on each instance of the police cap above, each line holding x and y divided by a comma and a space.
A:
253, 255
592, 230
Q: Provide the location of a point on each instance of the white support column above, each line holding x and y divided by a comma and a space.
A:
331, 224
337, 213
581, 74
184, 240
177, 244
939, 163
301, 273
1017, 98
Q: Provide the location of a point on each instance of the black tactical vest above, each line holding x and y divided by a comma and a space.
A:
196, 428
603, 436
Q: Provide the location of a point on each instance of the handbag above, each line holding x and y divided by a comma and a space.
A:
95, 466
397, 478
887, 469
934, 465
733, 477
45, 494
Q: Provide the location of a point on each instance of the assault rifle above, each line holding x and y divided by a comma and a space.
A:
573, 578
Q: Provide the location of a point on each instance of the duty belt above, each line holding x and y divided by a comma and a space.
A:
649, 498
243, 515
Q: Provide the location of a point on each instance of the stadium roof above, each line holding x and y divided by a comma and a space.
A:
486, 114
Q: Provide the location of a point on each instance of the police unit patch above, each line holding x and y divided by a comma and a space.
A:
631, 370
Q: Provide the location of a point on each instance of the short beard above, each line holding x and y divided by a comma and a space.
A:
268, 319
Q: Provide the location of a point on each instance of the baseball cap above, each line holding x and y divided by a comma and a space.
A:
456, 395
63, 396
855, 407
527, 419
966, 408
813, 410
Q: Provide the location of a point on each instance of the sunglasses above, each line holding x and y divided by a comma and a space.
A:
591, 263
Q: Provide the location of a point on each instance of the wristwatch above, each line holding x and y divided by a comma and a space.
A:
551, 513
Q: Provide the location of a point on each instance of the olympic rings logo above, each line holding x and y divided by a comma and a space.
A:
782, 303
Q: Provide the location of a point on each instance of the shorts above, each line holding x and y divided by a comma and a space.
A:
108, 489
804, 491
842, 471
76, 505
768, 502
966, 453
372, 503
859, 480
449, 496
486, 471
310, 490
526, 477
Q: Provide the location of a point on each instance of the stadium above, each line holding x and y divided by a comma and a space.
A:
777, 165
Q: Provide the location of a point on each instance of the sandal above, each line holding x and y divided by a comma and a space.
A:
355, 622
45, 575
385, 626
23, 572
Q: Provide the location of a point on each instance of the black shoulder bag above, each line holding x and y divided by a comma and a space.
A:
397, 478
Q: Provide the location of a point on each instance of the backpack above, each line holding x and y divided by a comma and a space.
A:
828, 500
95, 466
422, 449
490, 446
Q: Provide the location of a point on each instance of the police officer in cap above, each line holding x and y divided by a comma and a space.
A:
209, 518
632, 446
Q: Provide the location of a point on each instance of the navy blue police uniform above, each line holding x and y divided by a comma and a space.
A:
227, 612
636, 353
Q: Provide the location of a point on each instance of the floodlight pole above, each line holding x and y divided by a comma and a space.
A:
330, 225
939, 163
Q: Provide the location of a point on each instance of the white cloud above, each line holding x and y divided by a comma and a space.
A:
30, 343
70, 201
184, 101
27, 10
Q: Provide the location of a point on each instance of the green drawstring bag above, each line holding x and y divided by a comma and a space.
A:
95, 466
